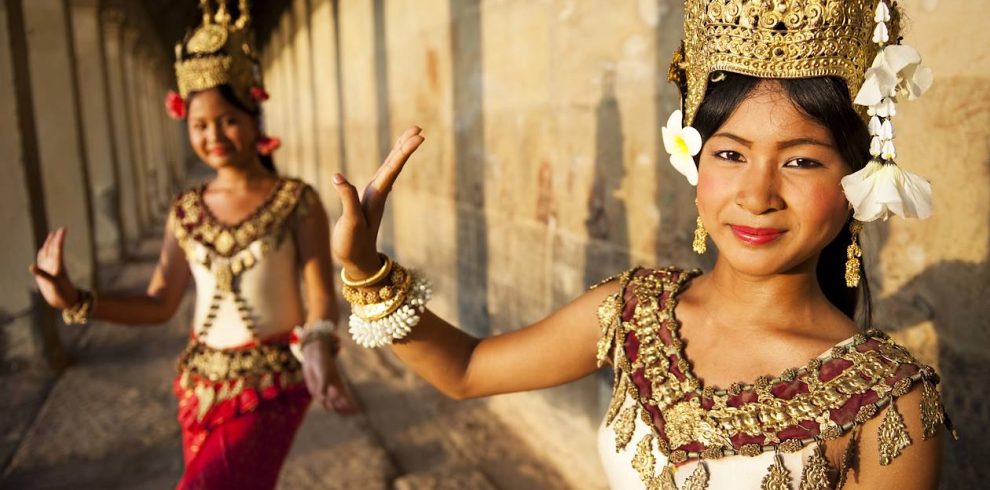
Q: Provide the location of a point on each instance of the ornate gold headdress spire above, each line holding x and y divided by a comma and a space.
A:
774, 39
855, 40
219, 52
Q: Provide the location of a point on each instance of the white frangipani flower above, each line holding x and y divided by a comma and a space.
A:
887, 151
876, 146
887, 130
895, 69
874, 125
882, 13
917, 80
882, 189
683, 143
886, 108
880, 34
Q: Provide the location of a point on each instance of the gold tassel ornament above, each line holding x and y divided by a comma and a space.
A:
892, 435
817, 472
700, 246
698, 479
778, 477
643, 461
853, 253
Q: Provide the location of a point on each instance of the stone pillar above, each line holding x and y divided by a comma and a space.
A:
121, 123
61, 148
152, 109
27, 329
326, 97
96, 118
135, 129
357, 60
290, 93
305, 134
275, 108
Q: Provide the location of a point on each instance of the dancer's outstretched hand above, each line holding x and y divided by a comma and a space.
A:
355, 234
324, 380
50, 274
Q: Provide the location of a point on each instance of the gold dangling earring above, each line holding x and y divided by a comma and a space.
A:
853, 253
700, 246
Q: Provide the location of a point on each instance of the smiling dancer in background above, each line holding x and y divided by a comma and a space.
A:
247, 238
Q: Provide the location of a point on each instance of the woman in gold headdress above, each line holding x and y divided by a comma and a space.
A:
791, 150
247, 238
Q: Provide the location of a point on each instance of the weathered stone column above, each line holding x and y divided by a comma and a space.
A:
96, 118
290, 137
275, 109
305, 134
151, 107
135, 129
121, 123
61, 148
28, 331
326, 98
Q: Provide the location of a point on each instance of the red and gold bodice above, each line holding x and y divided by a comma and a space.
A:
801, 408
248, 300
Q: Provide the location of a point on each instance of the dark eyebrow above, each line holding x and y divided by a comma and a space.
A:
781, 145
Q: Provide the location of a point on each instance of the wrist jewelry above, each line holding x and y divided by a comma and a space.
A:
323, 330
78, 313
399, 315
376, 278
397, 278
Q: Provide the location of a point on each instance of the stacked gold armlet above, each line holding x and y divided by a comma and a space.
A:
383, 313
78, 313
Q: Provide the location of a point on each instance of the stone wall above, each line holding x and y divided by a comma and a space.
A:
543, 172
86, 144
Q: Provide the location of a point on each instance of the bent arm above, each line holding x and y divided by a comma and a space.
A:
312, 233
163, 295
558, 349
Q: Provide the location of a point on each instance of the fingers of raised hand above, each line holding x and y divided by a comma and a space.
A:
403, 148
351, 204
376, 192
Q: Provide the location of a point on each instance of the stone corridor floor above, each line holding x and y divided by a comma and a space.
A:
108, 421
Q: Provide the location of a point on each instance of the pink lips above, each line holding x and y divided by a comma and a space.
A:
757, 236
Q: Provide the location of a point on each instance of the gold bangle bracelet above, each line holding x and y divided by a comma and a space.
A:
376, 278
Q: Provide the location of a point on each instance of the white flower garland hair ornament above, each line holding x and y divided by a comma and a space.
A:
882, 188
682, 143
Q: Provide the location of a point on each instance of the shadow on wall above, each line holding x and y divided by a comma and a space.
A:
469, 167
607, 248
950, 294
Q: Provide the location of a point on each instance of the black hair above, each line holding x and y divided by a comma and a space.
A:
228, 94
825, 100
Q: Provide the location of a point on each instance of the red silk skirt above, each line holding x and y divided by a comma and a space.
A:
237, 429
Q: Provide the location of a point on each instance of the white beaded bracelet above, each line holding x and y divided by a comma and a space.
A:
398, 324
304, 334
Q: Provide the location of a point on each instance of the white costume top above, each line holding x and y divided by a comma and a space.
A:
246, 274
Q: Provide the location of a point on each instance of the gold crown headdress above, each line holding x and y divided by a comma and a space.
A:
855, 40
219, 52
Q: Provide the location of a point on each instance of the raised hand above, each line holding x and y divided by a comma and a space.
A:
50, 274
355, 234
